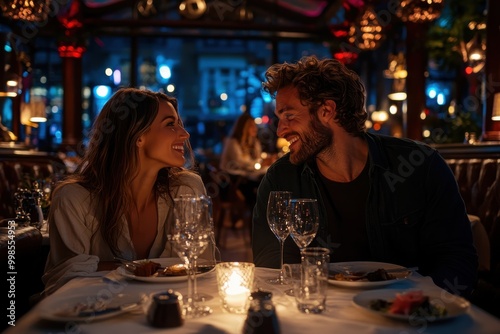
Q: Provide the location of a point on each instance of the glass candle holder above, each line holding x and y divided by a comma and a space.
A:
235, 282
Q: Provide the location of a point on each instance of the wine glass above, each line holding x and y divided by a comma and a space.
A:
278, 218
211, 255
191, 234
304, 223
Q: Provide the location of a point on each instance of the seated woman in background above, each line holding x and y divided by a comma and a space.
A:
242, 148
242, 151
119, 201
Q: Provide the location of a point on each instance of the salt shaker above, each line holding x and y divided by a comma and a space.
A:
165, 310
261, 317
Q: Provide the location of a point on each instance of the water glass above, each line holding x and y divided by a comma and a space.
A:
310, 292
292, 273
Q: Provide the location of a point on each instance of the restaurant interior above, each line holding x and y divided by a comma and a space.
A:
430, 68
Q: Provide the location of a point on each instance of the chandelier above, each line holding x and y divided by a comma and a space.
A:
26, 10
419, 10
366, 32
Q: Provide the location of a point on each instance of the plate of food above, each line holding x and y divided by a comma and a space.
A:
88, 307
161, 270
360, 274
412, 305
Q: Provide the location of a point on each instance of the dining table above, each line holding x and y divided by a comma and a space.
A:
342, 314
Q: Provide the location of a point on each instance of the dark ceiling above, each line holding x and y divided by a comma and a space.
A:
237, 18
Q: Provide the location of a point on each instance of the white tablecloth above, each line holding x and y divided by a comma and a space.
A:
342, 316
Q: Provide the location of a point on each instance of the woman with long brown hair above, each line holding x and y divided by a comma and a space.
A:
119, 201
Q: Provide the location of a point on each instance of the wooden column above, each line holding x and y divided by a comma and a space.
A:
72, 98
492, 70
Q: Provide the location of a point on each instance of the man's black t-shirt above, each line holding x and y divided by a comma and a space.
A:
345, 203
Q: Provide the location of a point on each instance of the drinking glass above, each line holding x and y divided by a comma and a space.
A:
304, 223
310, 292
211, 256
278, 218
190, 236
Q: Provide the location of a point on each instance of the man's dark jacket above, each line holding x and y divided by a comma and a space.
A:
415, 216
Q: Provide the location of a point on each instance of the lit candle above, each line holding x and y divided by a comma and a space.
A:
235, 291
236, 297
235, 281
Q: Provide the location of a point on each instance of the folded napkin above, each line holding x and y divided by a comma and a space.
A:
82, 265
113, 277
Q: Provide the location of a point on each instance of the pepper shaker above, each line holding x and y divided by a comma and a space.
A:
261, 317
165, 310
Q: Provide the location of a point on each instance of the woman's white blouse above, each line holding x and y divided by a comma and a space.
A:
75, 250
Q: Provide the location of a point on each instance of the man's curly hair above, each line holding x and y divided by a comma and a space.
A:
320, 80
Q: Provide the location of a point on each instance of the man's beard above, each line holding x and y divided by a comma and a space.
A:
317, 139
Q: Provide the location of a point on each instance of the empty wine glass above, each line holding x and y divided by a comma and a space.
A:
304, 223
211, 256
190, 236
278, 218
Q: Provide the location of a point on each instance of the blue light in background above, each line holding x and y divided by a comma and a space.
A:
266, 97
431, 92
440, 99
117, 77
102, 91
200, 127
165, 72
102, 94
164, 69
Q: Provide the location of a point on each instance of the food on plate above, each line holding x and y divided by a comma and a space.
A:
174, 270
146, 268
149, 268
413, 303
373, 276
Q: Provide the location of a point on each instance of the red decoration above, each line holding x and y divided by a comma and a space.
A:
346, 57
70, 51
71, 18
340, 30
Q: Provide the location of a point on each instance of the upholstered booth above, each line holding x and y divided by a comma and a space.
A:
477, 171
19, 168
22, 258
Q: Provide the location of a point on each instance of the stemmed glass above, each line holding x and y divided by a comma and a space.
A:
304, 223
211, 255
278, 218
190, 236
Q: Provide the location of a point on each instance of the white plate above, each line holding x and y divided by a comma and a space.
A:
69, 308
164, 262
454, 305
361, 266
